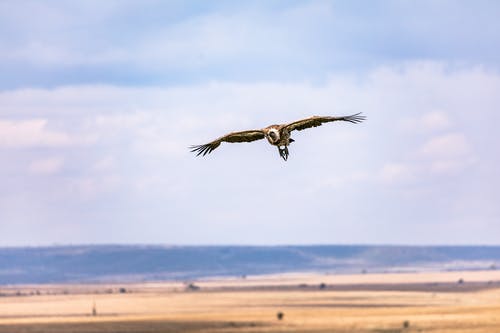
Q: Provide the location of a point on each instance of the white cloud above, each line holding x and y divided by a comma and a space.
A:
46, 166
451, 145
104, 164
451, 166
442, 155
343, 181
397, 173
448, 154
89, 188
436, 120
432, 121
30, 133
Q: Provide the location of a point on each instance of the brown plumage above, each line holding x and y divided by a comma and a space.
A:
277, 135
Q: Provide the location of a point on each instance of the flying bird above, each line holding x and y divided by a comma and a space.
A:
277, 135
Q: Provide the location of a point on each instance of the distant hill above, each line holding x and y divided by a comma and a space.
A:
124, 263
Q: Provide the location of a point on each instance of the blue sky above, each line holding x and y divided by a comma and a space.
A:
100, 100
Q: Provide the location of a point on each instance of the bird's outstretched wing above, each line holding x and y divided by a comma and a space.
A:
243, 136
315, 121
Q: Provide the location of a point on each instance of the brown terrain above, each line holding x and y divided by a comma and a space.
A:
406, 302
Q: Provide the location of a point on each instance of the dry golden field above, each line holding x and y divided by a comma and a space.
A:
424, 302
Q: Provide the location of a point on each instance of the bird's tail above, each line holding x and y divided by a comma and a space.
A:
283, 152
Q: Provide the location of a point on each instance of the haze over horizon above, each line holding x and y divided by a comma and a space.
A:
100, 100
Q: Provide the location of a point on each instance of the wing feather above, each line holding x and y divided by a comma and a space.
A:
315, 121
243, 136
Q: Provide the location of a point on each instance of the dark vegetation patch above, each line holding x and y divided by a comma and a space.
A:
410, 287
155, 326
347, 305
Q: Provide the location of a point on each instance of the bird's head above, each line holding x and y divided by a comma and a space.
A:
273, 135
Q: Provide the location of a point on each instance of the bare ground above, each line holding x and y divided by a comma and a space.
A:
418, 302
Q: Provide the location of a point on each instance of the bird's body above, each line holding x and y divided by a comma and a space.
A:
277, 135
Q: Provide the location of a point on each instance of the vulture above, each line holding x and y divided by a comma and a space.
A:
276, 135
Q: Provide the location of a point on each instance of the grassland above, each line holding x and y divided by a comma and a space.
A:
425, 302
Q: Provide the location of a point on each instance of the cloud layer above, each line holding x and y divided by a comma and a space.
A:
48, 44
103, 163
100, 100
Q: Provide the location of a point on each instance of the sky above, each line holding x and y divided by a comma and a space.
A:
100, 100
